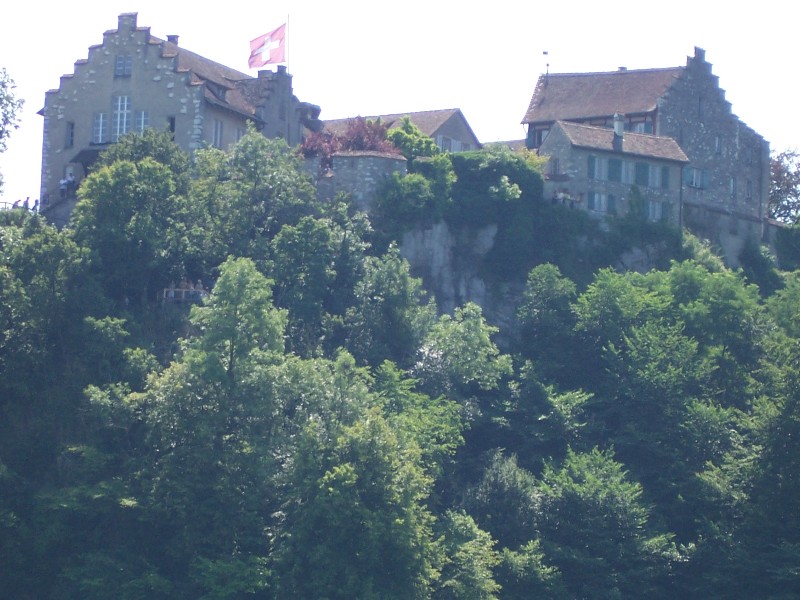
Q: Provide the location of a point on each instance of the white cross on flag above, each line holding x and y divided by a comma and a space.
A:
268, 49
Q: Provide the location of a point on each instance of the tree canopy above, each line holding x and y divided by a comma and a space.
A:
312, 424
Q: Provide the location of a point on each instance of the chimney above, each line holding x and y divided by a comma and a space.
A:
127, 21
622, 68
619, 125
172, 39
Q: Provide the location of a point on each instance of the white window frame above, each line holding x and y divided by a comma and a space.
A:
142, 121
121, 117
100, 128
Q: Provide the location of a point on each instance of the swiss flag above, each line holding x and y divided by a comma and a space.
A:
268, 49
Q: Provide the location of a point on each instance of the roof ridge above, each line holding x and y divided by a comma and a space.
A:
616, 72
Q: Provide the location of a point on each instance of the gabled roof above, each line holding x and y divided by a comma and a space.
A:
224, 86
428, 121
587, 95
638, 144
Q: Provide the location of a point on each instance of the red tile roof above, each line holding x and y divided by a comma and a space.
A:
224, 86
639, 144
585, 95
428, 121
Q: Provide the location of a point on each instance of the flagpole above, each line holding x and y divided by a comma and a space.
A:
288, 50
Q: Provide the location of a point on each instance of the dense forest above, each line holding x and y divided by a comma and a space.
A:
310, 426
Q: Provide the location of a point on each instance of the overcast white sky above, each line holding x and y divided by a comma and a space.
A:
359, 57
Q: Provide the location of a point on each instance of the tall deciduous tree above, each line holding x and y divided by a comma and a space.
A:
392, 312
356, 525
595, 528
459, 356
784, 188
10, 106
248, 194
128, 215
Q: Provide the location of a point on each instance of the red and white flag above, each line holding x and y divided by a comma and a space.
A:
268, 49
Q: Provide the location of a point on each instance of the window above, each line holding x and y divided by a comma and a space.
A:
592, 167
100, 128
602, 202
123, 66
718, 145
69, 135
664, 178
120, 117
217, 141
614, 169
641, 174
627, 171
171, 126
536, 137
655, 210
748, 190
142, 121
696, 178
240, 131
554, 166
733, 187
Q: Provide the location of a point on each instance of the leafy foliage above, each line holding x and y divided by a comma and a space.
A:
784, 188
10, 106
312, 428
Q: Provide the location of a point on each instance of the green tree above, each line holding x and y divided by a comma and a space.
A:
248, 194
468, 570
595, 529
129, 216
505, 502
356, 525
784, 305
547, 319
458, 355
303, 266
524, 573
10, 106
784, 187
239, 326
411, 141
392, 312
209, 478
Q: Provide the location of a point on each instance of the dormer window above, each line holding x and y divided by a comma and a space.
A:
123, 66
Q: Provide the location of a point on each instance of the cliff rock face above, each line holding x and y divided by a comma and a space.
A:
450, 264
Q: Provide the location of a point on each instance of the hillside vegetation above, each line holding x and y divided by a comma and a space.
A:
309, 426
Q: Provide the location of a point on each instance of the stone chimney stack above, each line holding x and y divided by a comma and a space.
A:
619, 125
172, 39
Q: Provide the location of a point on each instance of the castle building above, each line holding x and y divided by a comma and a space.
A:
134, 80
595, 168
724, 186
447, 127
